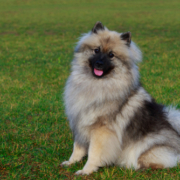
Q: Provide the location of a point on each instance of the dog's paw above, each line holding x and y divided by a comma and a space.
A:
66, 163
83, 172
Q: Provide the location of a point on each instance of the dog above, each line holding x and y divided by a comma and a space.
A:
112, 117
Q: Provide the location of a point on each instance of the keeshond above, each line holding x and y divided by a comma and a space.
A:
112, 117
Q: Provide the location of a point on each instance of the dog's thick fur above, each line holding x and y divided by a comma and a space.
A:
113, 119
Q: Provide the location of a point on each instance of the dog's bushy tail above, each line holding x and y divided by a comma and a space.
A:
173, 116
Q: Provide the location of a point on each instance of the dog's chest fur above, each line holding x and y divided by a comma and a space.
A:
88, 109
86, 112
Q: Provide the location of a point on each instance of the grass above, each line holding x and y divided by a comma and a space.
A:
36, 48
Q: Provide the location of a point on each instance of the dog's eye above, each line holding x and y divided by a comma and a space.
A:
111, 55
97, 50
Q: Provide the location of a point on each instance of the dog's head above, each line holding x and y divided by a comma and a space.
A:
102, 53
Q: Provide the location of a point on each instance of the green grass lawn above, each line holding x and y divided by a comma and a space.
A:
36, 47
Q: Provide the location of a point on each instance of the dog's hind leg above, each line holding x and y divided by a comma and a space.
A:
78, 153
103, 150
158, 157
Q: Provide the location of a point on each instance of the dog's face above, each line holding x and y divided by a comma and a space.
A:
103, 53
101, 62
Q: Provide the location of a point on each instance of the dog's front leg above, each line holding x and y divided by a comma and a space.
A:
78, 153
103, 150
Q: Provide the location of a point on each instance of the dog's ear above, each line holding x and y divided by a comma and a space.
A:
126, 37
98, 26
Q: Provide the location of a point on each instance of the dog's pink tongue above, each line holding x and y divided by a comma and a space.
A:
98, 72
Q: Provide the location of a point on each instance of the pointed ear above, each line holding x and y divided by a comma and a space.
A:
98, 26
126, 37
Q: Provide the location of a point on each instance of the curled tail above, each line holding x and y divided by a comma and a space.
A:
173, 117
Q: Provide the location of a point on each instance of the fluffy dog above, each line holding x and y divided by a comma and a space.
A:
113, 119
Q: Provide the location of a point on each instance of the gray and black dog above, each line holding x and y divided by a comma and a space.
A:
113, 119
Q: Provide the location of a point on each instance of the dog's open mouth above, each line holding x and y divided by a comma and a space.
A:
98, 72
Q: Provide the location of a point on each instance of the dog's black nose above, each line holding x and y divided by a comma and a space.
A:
99, 64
